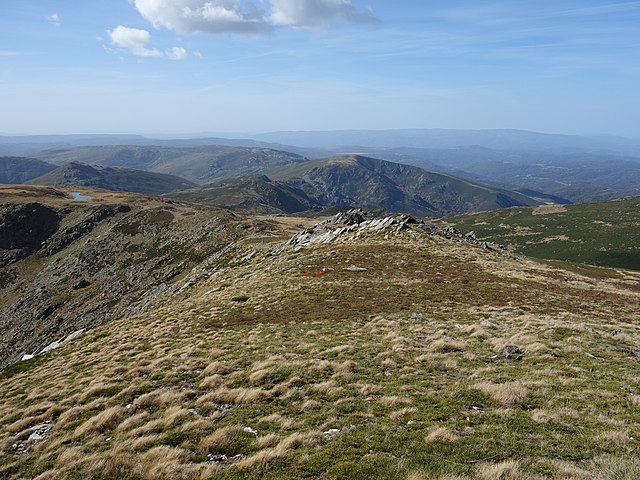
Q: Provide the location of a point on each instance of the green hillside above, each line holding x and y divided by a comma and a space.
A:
120, 179
605, 234
197, 164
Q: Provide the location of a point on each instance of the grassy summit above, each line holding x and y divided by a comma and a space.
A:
433, 358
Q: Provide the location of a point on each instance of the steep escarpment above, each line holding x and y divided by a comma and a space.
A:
68, 265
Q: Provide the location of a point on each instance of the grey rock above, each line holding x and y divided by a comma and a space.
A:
353, 268
512, 352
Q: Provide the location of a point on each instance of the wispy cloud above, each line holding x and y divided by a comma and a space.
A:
176, 53
54, 19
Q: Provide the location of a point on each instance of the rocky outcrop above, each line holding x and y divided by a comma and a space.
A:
355, 223
23, 229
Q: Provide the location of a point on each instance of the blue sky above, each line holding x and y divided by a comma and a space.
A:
215, 66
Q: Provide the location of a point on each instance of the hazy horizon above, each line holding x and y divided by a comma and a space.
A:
202, 67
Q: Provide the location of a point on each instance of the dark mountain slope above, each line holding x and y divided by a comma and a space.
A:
256, 193
372, 183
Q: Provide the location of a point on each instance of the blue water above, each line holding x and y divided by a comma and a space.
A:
79, 196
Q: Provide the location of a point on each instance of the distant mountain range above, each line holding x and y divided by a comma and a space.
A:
505, 139
572, 167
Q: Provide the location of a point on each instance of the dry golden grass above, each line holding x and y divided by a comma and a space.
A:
402, 414
509, 470
158, 399
309, 405
616, 438
393, 401
506, 394
348, 366
447, 345
365, 368
217, 368
108, 419
164, 462
441, 434
222, 438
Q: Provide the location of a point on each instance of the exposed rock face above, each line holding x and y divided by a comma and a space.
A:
71, 267
354, 223
23, 229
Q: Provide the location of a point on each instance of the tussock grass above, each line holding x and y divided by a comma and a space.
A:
341, 380
506, 394
441, 434
109, 419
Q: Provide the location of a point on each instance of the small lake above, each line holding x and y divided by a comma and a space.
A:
79, 196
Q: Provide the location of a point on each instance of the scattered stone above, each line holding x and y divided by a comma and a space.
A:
80, 284
477, 407
512, 352
387, 373
616, 332
250, 430
634, 352
329, 434
353, 268
184, 355
220, 458
38, 434
412, 422
417, 315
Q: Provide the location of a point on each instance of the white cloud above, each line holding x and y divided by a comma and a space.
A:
316, 13
247, 16
176, 53
54, 19
201, 16
134, 40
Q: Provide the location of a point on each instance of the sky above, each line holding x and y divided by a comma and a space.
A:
196, 67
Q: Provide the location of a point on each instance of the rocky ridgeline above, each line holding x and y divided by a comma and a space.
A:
64, 268
356, 223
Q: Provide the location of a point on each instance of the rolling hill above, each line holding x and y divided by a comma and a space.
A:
197, 164
21, 169
602, 233
77, 174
